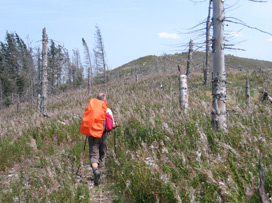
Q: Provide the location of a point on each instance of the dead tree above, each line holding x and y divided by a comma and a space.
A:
18, 103
43, 107
261, 189
247, 91
100, 55
183, 92
88, 57
136, 74
208, 26
219, 93
38, 102
266, 96
189, 60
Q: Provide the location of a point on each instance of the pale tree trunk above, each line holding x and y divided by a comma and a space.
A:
39, 66
89, 80
43, 108
88, 57
261, 189
38, 102
208, 26
136, 74
189, 60
183, 92
219, 117
104, 66
101, 56
247, 91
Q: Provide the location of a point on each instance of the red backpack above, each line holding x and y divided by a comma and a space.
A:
108, 122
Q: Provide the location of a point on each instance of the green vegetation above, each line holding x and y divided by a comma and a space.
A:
163, 154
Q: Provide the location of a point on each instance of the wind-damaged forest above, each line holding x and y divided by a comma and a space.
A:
21, 70
163, 154
190, 130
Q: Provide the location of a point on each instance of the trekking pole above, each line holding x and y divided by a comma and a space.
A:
115, 144
85, 144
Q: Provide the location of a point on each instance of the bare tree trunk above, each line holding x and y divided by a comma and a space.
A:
219, 117
183, 92
18, 103
136, 74
38, 102
261, 189
39, 66
101, 56
189, 60
88, 56
208, 26
247, 92
43, 108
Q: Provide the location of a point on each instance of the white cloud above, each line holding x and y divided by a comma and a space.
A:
270, 39
168, 35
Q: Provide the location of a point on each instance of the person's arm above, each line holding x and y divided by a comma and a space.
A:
115, 124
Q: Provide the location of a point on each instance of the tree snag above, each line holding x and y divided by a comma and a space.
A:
43, 107
247, 91
189, 60
208, 26
261, 189
219, 117
183, 92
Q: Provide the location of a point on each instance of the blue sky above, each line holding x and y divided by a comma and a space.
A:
134, 28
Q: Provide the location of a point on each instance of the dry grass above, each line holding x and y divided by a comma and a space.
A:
163, 155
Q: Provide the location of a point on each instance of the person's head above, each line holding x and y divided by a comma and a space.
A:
101, 96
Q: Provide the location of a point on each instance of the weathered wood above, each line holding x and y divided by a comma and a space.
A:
189, 60
38, 102
136, 74
208, 26
247, 91
219, 117
88, 56
261, 189
266, 96
43, 107
183, 92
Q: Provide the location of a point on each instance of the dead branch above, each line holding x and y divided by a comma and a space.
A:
240, 22
258, 1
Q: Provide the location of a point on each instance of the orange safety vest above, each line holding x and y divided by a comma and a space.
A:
92, 123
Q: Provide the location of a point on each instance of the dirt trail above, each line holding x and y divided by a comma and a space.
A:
101, 193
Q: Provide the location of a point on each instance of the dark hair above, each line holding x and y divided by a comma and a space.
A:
101, 96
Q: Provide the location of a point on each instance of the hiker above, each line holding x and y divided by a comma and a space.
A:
94, 126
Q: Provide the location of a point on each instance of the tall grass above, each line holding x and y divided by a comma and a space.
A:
163, 154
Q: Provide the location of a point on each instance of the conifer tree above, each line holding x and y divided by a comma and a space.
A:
100, 55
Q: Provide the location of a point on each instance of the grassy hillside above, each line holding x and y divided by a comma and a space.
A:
168, 64
163, 154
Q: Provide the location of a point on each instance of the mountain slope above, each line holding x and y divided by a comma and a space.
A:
163, 154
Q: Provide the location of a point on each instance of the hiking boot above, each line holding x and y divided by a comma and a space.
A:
96, 177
